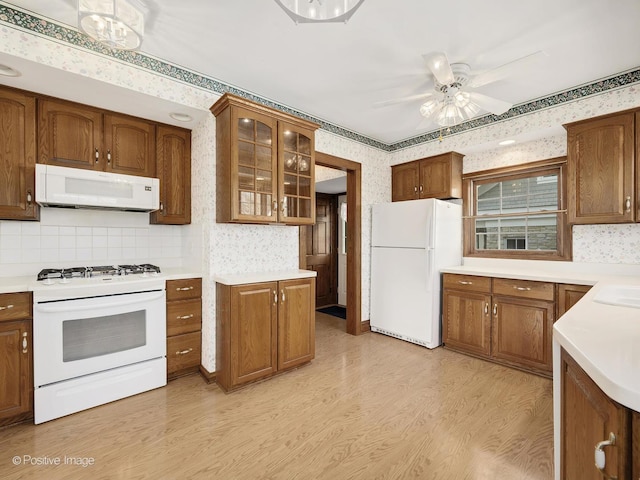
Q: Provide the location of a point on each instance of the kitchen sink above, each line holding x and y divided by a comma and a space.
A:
621, 295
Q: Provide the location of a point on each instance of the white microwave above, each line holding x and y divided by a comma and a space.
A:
80, 188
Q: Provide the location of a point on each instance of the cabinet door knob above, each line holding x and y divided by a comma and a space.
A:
415, 189
29, 197
600, 456
25, 344
421, 188
275, 297
6, 307
109, 157
486, 308
495, 309
97, 155
275, 207
283, 297
627, 204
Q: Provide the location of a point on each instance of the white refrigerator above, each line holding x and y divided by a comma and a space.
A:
410, 242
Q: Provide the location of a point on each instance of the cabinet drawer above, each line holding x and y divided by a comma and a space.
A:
524, 289
15, 306
183, 352
183, 289
469, 283
184, 316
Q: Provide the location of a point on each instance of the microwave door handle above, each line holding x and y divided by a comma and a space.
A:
65, 307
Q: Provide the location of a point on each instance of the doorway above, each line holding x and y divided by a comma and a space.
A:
353, 234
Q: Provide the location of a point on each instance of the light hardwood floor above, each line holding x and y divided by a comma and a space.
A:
368, 407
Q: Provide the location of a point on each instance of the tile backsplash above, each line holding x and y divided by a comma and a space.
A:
69, 237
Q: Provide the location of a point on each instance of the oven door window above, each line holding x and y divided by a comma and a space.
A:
94, 337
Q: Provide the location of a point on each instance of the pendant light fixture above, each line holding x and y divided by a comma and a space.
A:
116, 23
319, 11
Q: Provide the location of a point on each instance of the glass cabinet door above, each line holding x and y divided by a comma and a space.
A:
296, 175
254, 196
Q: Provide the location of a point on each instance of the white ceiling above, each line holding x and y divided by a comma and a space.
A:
336, 72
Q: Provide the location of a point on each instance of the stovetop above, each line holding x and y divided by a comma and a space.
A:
64, 275
82, 282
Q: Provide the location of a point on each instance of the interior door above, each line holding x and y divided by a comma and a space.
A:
321, 241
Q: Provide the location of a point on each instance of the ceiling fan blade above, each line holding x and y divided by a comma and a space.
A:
505, 70
440, 67
490, 104
410, 98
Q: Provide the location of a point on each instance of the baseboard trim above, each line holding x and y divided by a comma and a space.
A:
208, 376
365, 326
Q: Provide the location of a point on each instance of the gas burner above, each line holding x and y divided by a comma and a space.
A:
63, 275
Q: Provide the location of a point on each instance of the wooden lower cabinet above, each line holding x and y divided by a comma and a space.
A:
568, 295
589, 416
184, 324
522, 332
16, 371
466, 321
503, 320
263, 328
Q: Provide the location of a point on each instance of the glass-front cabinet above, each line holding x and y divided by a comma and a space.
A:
265, 164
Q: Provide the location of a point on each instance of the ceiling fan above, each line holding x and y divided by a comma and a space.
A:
453, 99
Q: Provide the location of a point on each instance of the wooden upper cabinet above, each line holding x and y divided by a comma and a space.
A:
405, 180
441, 176
79, 136
265, 164
17, 156
434, 177
601, 169
130, 145
70, 135
173, 168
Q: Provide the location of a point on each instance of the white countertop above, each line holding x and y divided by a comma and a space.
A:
603, 339
244, 278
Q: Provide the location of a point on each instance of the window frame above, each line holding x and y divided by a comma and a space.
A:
501, 174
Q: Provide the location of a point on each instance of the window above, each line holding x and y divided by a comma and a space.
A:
517, 212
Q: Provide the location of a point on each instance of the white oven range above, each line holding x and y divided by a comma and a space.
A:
99, 335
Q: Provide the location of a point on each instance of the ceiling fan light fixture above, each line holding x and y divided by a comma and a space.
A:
117, 24
320, 11
428, 107
449, 116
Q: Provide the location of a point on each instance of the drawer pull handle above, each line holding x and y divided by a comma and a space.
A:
184, 289
185, 317
7, 307
600, 456
184, 352
464, 282
522, 289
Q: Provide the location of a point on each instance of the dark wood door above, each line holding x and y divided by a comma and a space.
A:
588, 417
174, 172
321, 241
17, 156
296, 322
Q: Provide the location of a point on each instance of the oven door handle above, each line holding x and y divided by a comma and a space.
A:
63, 306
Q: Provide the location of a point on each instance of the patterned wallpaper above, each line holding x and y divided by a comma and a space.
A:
216, 248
